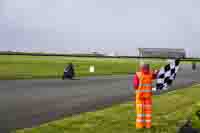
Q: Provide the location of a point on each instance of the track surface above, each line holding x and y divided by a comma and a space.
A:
27, 103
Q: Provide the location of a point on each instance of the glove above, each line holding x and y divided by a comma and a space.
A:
156, 72
154, 89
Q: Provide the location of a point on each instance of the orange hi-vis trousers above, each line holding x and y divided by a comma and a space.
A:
143, 112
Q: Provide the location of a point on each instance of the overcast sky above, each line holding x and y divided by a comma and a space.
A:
99, 25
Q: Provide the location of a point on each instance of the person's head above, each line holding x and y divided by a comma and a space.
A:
145, 68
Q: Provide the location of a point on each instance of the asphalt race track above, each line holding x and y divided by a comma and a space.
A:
27, 103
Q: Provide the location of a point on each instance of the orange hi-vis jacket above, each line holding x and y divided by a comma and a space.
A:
144, 89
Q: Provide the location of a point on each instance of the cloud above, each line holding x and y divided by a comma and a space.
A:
122, 26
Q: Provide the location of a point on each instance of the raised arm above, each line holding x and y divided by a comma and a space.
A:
155, 73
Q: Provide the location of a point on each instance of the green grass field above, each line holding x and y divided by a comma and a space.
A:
170, 111
28, 67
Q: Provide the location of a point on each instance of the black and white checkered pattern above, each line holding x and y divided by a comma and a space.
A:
167, 75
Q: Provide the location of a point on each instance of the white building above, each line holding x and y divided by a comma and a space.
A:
112, 54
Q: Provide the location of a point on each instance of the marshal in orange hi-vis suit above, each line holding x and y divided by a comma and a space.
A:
143, 85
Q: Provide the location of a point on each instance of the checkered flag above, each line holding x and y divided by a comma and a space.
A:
167, 75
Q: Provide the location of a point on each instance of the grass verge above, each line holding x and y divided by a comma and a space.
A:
35, 67
170, 112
